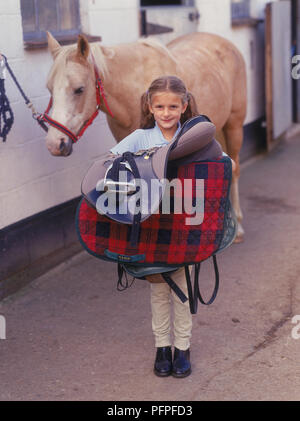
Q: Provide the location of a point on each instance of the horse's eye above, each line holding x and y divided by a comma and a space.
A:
79, 91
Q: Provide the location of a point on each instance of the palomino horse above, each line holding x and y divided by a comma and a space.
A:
211, 67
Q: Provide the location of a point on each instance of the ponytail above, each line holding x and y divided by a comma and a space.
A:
147, 119
191, 109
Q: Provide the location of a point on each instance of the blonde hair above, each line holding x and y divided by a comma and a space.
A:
166, 84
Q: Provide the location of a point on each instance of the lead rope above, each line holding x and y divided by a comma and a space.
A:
4, 103
6, 113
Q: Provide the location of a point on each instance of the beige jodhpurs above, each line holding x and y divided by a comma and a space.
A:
162, 298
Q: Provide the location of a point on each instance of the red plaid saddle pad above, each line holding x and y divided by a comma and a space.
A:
165, 239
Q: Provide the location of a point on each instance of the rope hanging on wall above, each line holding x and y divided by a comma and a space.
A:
6, 114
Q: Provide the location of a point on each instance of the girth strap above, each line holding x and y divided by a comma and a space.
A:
193, 292
121, 286
195, 295
174, 287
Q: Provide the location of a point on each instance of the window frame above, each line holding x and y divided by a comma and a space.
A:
39, 35
240, 9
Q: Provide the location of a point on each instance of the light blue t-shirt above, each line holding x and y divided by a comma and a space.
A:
142, 139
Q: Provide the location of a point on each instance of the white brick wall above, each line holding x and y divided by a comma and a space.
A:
116, 21
214, 16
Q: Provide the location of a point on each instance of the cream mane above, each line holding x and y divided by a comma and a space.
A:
99, 58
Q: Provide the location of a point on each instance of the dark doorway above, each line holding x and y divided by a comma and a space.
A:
160, 2
295, 24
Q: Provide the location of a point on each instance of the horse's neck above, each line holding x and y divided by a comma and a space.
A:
126, 77
119, 77
118, 71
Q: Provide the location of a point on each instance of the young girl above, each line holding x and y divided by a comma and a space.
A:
165, 106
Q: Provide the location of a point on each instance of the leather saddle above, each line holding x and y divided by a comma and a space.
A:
128, 188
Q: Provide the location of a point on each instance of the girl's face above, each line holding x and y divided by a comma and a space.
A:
167, 108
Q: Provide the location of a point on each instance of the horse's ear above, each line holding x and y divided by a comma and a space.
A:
53, 45
83, 47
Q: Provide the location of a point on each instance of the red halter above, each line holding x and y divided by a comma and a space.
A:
74, 137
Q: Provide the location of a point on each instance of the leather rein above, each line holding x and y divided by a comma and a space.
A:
45, 118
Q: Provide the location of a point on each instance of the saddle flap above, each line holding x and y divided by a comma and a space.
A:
94, 176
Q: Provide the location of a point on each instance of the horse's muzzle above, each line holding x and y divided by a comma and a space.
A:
66, 147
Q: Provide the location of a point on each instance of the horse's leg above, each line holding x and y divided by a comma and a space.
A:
233, 132
221, 139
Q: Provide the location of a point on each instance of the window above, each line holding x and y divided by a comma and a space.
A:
60, 17
160, 2
240, 9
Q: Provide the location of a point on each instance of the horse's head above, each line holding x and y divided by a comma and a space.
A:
71, 83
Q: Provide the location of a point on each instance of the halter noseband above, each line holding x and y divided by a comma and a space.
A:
41, 118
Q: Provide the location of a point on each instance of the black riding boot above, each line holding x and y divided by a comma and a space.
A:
181, 363
163, 361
